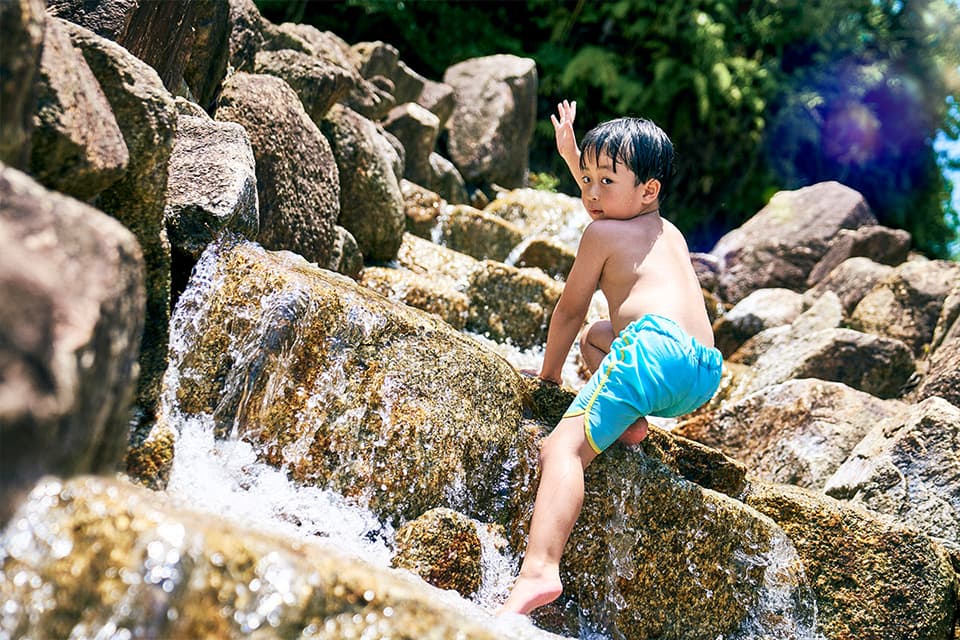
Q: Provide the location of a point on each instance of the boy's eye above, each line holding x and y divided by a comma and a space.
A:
606, 180
585, 179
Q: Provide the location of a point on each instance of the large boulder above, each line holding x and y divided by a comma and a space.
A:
417, 129
851, 280
878, 243
371, 204
762, 309
340, 382
908, 467
491, 127
147, 116
479, 234
873, 577
656, 556
209, 52
107, 558
159, 33
72, 281
796, 432
21, 22
319, 83
211, 184
906, 304
514, 305
77, 146
780, 245
299, 201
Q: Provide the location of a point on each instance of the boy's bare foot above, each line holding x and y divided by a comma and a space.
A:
635, 433
529, 593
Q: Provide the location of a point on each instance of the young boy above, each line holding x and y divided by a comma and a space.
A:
654, 356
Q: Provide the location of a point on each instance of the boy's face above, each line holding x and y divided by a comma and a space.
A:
609, 193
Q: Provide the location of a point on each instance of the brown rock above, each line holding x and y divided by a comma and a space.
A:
873, 578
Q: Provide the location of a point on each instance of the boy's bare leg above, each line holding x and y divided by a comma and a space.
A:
564, 454
595, 343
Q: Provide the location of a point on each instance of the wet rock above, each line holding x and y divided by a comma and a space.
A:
479, 234
77, 146
20, 50
341, 387
150, 459
426, 258
147, 116
797, 432
657, 556
345, 256
69, 343
547, 254
434, 295
781, 244
492, 124
873, 578
909, 468
421, 207
299, 202
442, 547
878, 243
559, 216
371, 205
761, 309
211, 184
906, 304
851, 280
98, 556
510, 304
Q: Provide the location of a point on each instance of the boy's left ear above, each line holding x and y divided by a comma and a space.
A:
651, 190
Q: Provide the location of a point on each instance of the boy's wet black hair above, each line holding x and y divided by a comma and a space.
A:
638, 143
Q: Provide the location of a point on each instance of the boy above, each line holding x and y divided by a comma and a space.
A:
654, 356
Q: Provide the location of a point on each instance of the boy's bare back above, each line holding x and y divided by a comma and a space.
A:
647, 270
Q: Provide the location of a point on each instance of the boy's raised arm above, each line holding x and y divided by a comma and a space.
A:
566, 140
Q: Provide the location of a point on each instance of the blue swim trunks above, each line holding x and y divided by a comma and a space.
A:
654, 368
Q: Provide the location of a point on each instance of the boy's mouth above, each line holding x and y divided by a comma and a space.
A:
595, 213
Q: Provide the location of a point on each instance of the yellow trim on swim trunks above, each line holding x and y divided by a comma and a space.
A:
593, 398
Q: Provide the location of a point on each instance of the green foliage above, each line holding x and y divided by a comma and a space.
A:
757, 95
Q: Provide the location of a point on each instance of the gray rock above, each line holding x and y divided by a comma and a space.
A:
211, 185
881, 244
761, 309
909, 468
780, 245
851, 280
492, 124
147, 116
417, 130
299, 201
72, 279
797, 432
22, 23
319, 83
77, 146
371, 204
906, 304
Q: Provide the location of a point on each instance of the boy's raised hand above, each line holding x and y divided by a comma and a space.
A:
563, 128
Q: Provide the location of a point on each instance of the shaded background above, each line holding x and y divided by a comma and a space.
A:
757, 95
